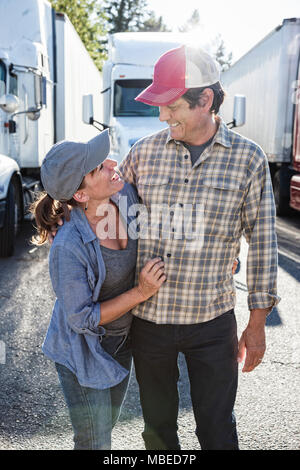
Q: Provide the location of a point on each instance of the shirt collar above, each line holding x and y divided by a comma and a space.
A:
80, 221
222, 135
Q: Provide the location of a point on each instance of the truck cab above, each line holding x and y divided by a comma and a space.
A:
45, 74
25, 132
128, 71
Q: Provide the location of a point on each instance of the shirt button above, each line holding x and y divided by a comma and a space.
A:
186, 180
169, 255
186, 157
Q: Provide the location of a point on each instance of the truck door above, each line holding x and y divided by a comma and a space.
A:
14, 149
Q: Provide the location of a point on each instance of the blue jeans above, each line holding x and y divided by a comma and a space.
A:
210, 351
94, 413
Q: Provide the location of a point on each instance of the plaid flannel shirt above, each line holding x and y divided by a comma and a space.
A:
230, 191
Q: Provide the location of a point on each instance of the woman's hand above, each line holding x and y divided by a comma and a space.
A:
151, 277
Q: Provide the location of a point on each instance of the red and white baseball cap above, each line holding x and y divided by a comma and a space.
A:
178, 70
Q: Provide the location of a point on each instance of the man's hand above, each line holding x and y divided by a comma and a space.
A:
253, 340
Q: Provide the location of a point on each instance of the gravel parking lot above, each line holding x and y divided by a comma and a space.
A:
33, 415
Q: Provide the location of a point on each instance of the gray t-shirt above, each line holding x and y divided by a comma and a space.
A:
120, 275
197, 150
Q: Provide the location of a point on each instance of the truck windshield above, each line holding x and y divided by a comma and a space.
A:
2, 78
124, 104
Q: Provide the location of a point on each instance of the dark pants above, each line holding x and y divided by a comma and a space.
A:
210, 351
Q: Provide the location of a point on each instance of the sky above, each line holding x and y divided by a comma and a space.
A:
241, 24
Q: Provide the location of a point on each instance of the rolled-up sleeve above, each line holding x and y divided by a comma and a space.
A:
258, 223
71, 285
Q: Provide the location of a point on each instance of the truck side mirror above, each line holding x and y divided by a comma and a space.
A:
40, 90
9, 103
87, 109
239, 110
33, 114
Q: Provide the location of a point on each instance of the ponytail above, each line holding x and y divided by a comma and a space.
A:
47, 212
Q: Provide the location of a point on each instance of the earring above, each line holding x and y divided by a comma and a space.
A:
86, 205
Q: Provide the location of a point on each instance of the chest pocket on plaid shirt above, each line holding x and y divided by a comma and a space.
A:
223, 198
153, 189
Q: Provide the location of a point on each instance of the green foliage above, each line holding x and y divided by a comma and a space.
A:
131, 15
80, 13
93, 19
153, 23
124, 15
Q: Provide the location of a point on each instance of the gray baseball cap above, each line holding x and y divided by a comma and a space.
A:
67, 163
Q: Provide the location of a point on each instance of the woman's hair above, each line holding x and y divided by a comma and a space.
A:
192, 96
47, 212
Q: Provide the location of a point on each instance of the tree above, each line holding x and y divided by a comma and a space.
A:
131, 15
124, 15
153, 23
221, 55
192, 23
90, 30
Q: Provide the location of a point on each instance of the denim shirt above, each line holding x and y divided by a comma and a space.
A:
77, 273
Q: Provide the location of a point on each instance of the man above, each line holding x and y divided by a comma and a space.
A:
198, 164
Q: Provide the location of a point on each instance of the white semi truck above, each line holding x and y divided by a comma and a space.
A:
47, 78
268, 77
128, 70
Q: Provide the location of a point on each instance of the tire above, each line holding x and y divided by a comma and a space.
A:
11, 222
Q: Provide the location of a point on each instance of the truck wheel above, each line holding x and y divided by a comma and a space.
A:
280, 187
11, 222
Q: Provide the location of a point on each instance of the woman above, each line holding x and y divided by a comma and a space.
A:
93, 279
